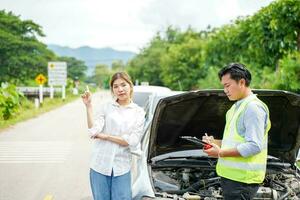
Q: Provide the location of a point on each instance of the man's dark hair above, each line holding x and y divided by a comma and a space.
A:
237, 72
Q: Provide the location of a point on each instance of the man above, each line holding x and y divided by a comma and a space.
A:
242, 152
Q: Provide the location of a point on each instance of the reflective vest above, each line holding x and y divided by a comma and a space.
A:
250, 169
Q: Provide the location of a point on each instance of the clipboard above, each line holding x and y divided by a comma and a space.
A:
197, 141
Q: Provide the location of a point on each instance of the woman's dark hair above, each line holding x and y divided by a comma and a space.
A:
237, 72
125, 77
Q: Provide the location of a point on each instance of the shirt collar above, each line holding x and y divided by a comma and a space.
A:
239, 102
130, 105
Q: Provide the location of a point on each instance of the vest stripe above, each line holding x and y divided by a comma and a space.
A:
232, 144
242, 165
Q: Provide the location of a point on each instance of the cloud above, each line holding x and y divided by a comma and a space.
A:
195, 13
124, 24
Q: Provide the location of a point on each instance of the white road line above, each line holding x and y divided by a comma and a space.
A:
34, 151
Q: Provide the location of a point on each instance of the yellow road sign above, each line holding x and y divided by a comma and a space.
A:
40, 79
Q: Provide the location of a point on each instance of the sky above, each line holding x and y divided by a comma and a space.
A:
124, 24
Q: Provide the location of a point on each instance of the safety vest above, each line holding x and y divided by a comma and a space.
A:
250, 169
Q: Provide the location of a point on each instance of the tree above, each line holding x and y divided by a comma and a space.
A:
262, 39
275, 31
118, 65
101, 76
288, 77
182, 66
22, 56
190, 59
146, 66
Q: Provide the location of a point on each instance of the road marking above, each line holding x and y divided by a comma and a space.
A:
48, 197
34, 151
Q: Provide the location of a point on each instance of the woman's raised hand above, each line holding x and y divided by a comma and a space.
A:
87, 97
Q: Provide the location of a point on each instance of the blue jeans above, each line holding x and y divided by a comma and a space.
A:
110, 187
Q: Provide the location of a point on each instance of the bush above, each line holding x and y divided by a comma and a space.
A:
211, 81
288, 77
9, 100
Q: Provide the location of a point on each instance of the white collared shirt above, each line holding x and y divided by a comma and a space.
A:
124, 121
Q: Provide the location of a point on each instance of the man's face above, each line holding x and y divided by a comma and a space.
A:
232, 89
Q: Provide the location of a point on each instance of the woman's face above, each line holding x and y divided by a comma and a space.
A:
121, 89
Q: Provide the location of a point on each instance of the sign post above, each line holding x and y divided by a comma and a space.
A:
40, 79
51, 91
57, 75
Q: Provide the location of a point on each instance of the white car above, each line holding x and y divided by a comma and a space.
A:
141, 93
139, 163
171, 168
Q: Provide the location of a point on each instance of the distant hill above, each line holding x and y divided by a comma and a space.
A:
92, 56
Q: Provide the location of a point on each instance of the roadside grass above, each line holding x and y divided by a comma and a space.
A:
298, 164
28, 109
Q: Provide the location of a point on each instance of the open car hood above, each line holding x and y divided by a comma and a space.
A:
199, 112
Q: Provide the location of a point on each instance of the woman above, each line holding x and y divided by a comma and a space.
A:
116, 130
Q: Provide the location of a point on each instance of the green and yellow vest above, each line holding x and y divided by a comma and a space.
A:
250, 169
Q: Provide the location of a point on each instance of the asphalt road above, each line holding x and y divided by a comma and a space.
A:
47, 158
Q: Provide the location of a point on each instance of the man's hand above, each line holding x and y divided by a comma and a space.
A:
208, 139
214, 151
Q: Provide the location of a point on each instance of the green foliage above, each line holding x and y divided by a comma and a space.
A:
211, 81
102, 76
70, 83
288, 78
172, 59
267, 43
182, 66
9, 100
22, 56
146, 66
117, 65
262, 39
103, 73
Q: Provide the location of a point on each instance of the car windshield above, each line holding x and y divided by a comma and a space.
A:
141, 93
141, 98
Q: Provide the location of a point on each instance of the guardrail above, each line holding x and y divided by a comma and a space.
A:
34, 91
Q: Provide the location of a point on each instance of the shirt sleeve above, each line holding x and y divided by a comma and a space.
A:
99, 121
255, 123
134, 136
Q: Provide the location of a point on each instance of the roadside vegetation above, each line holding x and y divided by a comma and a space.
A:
267, 42
22, 58
15, 107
